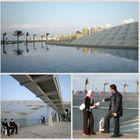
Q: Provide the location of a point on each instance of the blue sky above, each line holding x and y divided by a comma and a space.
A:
97, 81
64, 17
12, 90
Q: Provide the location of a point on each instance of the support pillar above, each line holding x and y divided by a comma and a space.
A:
50, 122
60, 118
57, 117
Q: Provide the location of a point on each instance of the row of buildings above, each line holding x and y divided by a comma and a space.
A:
74, 35
79, 33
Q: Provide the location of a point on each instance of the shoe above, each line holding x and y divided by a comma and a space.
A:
105, 132
94, 133
85, 134
121, 135
16, 133
116, 135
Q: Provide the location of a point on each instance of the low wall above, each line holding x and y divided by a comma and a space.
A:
69, 43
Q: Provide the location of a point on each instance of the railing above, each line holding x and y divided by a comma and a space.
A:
129, 113
129, 108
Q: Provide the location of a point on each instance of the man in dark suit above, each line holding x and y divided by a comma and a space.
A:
115, 111
6, 125
13, 126
43, 120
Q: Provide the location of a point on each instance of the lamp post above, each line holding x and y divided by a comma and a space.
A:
105, 84
27, 34
4, 34
86, 83
47, 36
124, 87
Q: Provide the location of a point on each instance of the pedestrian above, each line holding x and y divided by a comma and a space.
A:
14, 126
43, 120
115, 111
88, 119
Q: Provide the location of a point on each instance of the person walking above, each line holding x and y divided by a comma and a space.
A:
43, 120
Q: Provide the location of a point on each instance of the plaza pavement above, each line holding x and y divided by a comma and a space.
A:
58, 130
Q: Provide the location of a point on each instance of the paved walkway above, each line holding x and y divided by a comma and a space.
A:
79, 134
128, 128
59, 130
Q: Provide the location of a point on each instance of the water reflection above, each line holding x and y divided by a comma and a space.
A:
27, 49
71, 59
34, 45
125, 53
18, 51
131, 54
42, 45
4, 45
47, 48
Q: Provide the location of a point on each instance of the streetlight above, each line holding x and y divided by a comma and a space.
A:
47, 36
86, 83
105, 84
27, 34
4, 34
124, 87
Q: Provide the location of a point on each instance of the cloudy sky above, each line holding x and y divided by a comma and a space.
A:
64, 17
98, 80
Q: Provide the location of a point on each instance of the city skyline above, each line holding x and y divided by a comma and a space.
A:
62, 18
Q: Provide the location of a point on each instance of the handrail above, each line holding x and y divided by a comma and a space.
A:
129, 108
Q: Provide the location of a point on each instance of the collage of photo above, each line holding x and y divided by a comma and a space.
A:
69, 70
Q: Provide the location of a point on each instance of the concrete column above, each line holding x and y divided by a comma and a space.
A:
50, 122
57, 117
60, 118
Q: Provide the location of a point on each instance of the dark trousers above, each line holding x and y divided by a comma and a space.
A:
8, 131
43, 122
14, 128
116, 123
88, 122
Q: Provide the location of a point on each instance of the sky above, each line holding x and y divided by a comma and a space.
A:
12, 90
97, 81
64, 17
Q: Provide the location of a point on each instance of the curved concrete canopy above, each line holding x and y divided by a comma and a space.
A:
46, 87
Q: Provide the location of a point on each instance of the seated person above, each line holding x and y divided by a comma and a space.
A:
13, 125
6, 125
